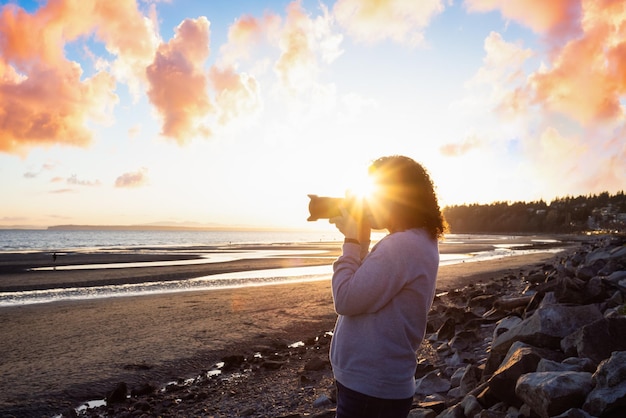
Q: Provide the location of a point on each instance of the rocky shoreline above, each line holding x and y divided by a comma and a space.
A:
548, 341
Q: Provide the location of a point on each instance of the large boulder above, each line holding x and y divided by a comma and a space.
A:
609, 392
552, 393
597, 340
521, 358
544, 328
547, 325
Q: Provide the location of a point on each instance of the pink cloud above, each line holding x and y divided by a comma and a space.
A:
556, 17
297, 63
132, 179
245, 35
236, 94
454, 150
584, 76
178, 84
47, 96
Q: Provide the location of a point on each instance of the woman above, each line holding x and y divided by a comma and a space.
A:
382, 297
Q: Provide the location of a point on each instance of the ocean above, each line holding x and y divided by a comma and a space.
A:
24, 240
203, 242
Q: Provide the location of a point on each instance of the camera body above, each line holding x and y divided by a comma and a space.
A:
322, 207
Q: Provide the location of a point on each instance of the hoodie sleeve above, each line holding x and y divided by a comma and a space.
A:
361, 287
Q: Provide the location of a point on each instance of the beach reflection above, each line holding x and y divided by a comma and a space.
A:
223, 280
205, 258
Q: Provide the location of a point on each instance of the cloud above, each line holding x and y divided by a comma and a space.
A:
245, 34
132, 179
468, 144
556, 17
45, 98
588, 93
74, 180
295, 47
44, 167
566, 109
134, 131
178, 84
235, 94
304, 42
377, 20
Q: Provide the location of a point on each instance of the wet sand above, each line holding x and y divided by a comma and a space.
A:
57, 354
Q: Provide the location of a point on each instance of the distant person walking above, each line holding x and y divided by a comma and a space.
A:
383, 297
54, 261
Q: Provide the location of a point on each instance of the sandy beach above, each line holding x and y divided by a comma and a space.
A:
55, 355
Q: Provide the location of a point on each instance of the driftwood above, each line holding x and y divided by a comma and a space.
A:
512, 303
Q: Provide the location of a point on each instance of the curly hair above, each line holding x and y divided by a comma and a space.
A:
406, 183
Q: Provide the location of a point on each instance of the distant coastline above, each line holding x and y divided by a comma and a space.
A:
222, 228
205, 228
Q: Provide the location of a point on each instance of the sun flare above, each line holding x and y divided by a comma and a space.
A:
363, 188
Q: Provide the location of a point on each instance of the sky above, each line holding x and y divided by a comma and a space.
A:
231, 112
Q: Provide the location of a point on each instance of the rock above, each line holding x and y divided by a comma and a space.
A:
463, 340
455, 379
574, 413
470, 405
595, 291
421, 413
609, 392
272, 364
571, 364
585, 272
118, 394
322, 401
316, 364
455, 411
552, 393
446, 331
585, 364
597, 340
433, 405
597, 255
143, 389
616, 277
470, 379
431, 383
521, 358
555, 366
506, 324
232, 362
547, 325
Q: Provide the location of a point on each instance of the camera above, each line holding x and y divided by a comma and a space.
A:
322, 207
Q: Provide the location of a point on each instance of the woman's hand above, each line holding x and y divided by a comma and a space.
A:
354, 226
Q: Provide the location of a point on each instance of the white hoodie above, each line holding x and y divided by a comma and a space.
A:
383, 303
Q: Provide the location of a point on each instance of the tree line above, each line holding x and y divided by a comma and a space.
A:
601, 212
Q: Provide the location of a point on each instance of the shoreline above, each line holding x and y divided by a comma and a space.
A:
20, 272
60, 354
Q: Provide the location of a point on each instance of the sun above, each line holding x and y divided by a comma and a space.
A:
362, 187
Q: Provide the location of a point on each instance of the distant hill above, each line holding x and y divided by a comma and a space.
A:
603, 212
